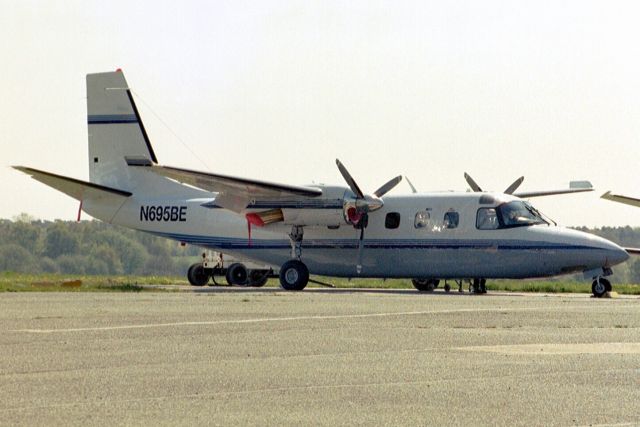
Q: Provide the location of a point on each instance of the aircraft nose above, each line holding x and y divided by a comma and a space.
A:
616, 254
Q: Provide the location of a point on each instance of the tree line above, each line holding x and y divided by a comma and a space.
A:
95, 248
88, 247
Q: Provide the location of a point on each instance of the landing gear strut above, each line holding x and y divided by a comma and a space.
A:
294, 275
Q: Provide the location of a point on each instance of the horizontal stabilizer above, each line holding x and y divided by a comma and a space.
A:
621, 199
233, 193
75, 188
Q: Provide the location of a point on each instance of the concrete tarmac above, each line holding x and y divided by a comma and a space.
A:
318, 358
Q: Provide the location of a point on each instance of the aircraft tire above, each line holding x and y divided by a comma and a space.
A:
600, 286
258, 278
478, 286
237, 274
483, 286
294, 275
197, 275
425, 285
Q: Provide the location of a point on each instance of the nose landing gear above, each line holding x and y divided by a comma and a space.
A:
600, 286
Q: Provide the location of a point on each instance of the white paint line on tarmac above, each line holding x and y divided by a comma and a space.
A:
560, 348
279, 319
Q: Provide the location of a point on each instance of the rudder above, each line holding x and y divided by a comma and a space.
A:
116, 132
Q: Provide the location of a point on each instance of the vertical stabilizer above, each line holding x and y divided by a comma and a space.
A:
116, 132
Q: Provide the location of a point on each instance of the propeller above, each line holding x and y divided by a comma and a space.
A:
364, 203
513, 187
413, 189
475, 187
510, 189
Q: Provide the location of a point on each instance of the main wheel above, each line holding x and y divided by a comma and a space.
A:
294, 275
425, 285
478, 286
600, 286
258, 278
237, 274
197, 275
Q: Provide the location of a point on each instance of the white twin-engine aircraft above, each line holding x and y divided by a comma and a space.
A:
316, 228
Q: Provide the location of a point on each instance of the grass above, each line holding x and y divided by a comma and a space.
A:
21, 282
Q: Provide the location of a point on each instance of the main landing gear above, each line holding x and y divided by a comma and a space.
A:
476, 286
237, 274
425, 285
294, 275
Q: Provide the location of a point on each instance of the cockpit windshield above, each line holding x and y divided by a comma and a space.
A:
508, 215
519, 213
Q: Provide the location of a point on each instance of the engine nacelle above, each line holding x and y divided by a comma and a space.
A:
330, 210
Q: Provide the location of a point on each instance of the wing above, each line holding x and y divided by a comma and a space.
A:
527, 195
621, 199
574, 187
234, 193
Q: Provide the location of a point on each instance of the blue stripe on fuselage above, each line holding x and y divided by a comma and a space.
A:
237, 243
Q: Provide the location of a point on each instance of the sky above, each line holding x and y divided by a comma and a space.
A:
277, 90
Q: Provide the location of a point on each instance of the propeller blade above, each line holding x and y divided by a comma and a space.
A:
475, 187
388, 186
413, 189
360, 248
513, 187
347, 177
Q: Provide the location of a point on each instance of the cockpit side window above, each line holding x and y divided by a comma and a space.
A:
422, 219
487, 219
451, 219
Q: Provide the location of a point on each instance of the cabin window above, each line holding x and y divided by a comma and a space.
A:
422, 219
451, 219
487, 219
392, 220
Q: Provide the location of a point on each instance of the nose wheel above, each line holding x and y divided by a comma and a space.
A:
600, 286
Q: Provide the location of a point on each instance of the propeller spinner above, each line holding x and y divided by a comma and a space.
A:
364, 203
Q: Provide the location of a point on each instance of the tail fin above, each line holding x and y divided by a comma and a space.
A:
116, 132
